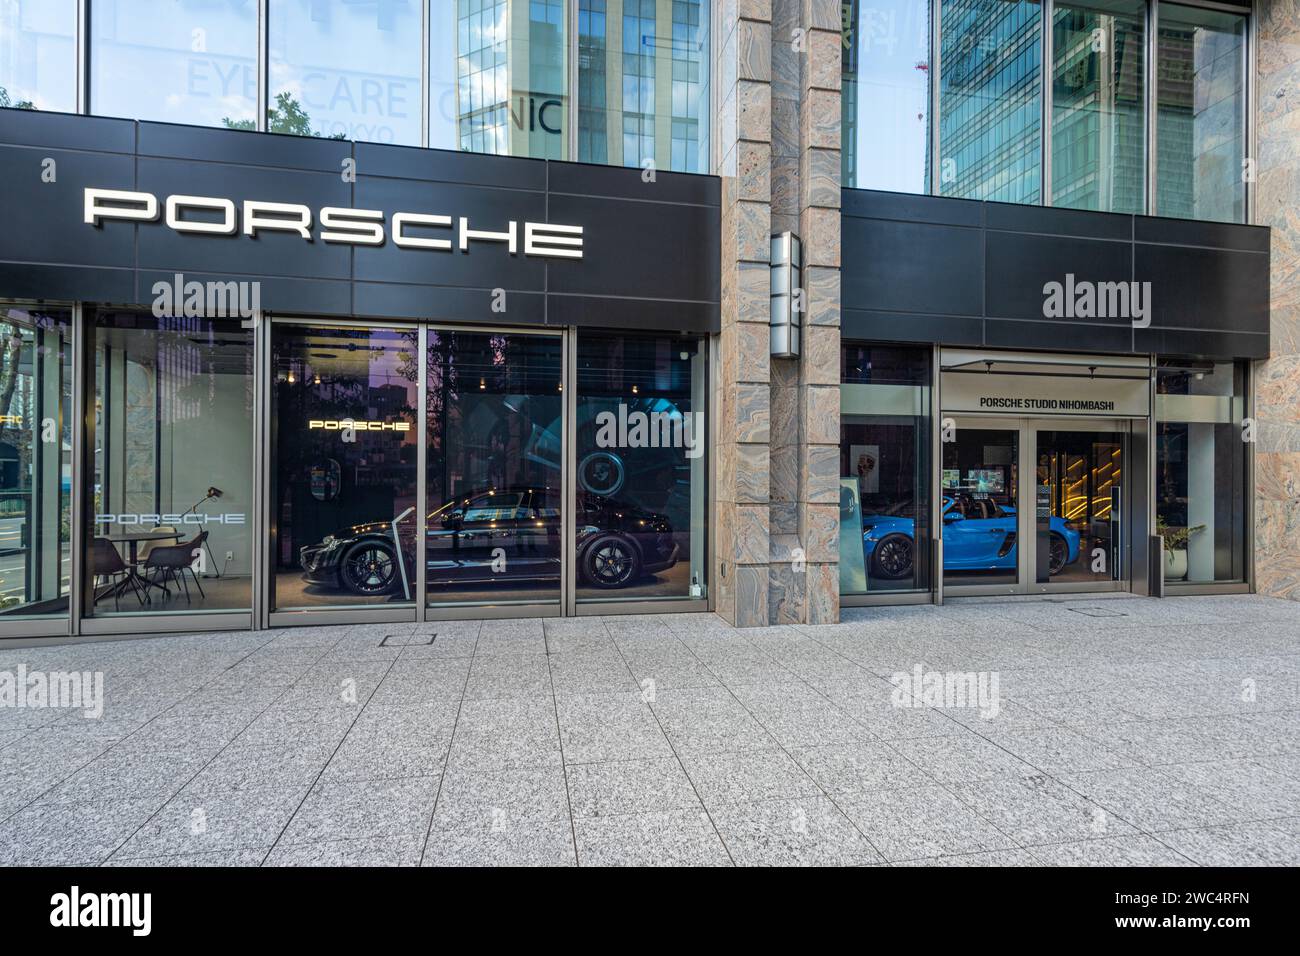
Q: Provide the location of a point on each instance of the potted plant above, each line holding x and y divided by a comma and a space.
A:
1176, 548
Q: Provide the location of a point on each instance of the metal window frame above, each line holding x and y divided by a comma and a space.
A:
421, 472
936, 474
936, 72
571, 109
81, 44
1046, 80
426, 81
19, 631
261, 464
263, 64
568, 475
1250, 90
1248, 384
1149, 112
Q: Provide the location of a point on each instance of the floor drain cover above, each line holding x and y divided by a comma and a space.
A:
407, 640
1098, 612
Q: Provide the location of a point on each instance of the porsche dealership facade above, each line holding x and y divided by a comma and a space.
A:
319, 313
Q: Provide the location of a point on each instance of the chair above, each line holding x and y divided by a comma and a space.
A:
170, 562
161, 543
105, 562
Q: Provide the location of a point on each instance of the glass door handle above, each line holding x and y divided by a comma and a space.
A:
1116, 532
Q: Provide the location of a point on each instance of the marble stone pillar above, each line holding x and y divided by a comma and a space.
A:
743, 150
777, 148
1277, 380
803, 583
819, 365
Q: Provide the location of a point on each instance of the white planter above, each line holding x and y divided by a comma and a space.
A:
1175, 565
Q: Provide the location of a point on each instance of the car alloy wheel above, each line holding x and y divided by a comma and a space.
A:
892, 558
610, 562
369, 569
1058, 554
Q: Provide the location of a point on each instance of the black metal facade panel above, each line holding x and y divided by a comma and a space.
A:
930, 269
890, 267
651, 250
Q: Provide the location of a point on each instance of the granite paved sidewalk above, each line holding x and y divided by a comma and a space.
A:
1070, 732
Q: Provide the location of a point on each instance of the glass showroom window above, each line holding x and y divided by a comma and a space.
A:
495, 460
1200, 114
1098, 126
641, 466
498, 77
885, 525
38, 55
990, 100
171, 522
643, 83
343, 452
1201, 470
345, 69
35, 461
885, 98
187, 62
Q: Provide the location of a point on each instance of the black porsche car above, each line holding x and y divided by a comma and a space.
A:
501, 533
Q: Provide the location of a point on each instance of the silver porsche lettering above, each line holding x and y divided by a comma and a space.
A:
218, 216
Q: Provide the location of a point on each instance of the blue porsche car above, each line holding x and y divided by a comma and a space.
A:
979, 535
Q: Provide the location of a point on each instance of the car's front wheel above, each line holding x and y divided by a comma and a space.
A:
369, 568
892, 558
1058, 554
610, 562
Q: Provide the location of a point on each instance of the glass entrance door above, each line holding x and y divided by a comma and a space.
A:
1060, 527
980, 509
1078, 509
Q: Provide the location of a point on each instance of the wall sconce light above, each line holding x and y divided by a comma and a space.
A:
786, 294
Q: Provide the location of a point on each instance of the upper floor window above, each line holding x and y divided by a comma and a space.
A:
885, 95
38, 55
346, 69
643, 83
499, 77
997, 122
484, 76
188, 62
990, 100
1098, 96
1201, 114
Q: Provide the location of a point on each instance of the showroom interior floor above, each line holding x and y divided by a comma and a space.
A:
1133, 731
